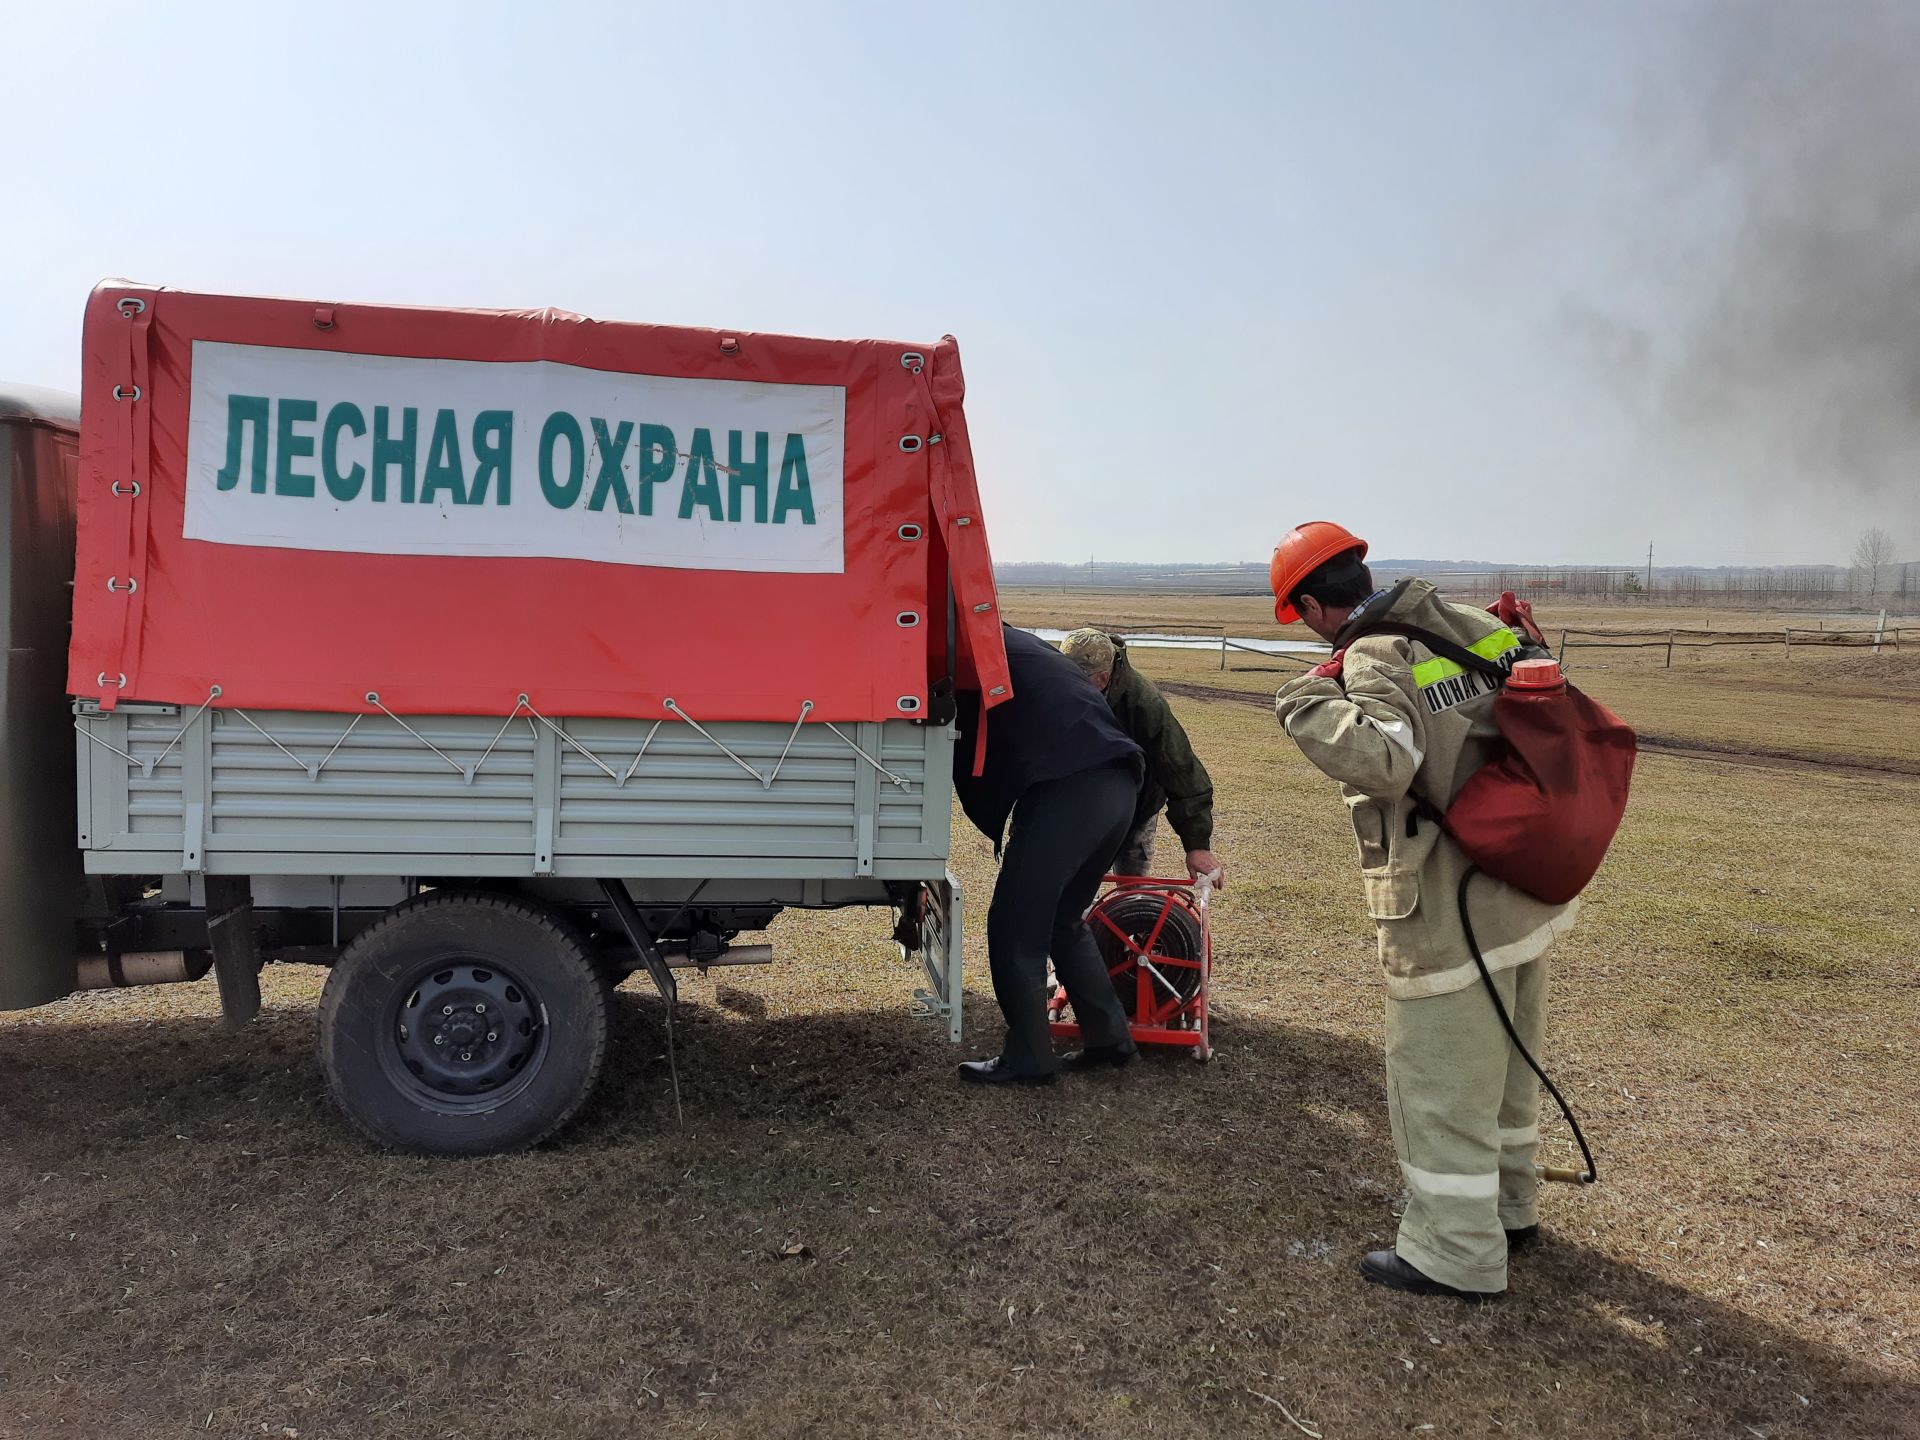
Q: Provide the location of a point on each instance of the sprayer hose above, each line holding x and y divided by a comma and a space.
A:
1506, 1022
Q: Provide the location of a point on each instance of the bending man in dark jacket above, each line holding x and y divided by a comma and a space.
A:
1061, 768
1176, 779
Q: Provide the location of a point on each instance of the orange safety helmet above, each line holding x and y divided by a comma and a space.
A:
1304, 550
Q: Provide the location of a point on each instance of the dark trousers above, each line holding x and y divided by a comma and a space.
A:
1063, 834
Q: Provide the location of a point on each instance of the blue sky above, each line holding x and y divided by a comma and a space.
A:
1214, 269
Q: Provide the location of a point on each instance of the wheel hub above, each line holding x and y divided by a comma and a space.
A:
467, 1030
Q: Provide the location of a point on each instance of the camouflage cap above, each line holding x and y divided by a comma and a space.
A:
1091, 650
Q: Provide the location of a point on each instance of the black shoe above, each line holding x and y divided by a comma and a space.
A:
1095, 1056
992, 1072
1525, 1238
1384, 1267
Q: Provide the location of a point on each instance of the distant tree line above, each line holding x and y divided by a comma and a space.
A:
1874, 578
1759, 588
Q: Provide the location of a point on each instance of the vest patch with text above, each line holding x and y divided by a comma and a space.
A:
1455, 690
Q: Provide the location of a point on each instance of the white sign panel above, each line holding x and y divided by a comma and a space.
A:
375, 454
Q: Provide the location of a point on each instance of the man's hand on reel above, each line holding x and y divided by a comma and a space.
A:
1205, 862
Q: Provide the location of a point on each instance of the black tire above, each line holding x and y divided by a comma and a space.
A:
1135, 913
463, 1024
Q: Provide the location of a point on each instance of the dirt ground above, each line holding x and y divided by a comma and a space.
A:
193, 1243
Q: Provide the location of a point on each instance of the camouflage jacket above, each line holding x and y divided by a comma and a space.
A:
1175, 776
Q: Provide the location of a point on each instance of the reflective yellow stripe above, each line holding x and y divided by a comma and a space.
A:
1488, 647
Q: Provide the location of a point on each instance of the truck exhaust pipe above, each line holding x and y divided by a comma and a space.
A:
140, 967
729, 955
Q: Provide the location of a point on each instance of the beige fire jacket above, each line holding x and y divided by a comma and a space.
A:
1399, 726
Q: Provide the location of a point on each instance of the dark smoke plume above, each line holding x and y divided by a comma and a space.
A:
1778, 246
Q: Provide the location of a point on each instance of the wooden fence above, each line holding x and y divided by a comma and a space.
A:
1787, 637
1873, 638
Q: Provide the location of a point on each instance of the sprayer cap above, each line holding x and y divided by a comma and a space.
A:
1535, 675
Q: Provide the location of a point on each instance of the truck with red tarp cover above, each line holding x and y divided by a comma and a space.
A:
486, 657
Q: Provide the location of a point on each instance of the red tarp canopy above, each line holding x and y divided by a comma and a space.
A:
302, 503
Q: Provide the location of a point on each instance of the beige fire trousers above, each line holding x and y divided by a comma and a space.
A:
1465, 1113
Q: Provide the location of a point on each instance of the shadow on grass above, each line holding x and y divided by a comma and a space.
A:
1151, 1250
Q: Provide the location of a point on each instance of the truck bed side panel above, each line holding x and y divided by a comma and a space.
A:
285, 792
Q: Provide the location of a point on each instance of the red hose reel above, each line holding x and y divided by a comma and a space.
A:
1154, 938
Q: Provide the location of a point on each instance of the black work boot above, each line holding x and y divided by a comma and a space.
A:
1095, 1057
1525, 1238
1385, 1267
992, 1072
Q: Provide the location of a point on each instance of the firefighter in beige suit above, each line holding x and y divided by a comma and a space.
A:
1402, 730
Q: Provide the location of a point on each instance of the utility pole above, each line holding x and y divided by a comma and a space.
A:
1649, 586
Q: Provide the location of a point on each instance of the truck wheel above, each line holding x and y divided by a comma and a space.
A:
463, 1024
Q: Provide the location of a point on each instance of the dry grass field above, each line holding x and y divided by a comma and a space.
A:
193, 1243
